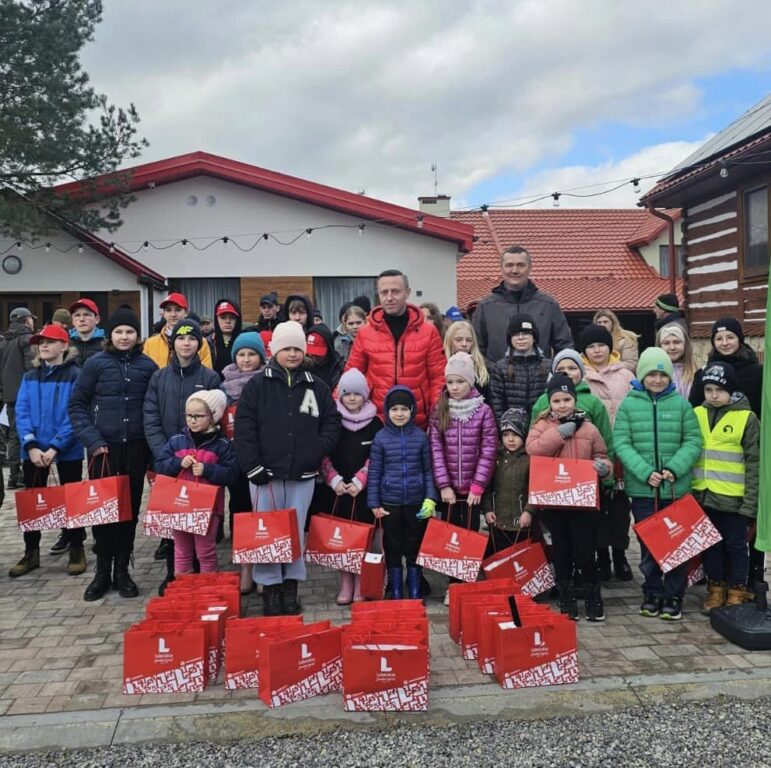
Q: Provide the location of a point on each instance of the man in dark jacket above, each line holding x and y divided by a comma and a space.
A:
667, 310
518, 294
270, 313
86, 336
16, 361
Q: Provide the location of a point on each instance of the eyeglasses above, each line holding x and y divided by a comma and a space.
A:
196, 416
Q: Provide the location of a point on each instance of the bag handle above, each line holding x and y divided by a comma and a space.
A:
105, 461
506, 535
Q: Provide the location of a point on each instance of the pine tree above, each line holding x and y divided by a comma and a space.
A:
54, 127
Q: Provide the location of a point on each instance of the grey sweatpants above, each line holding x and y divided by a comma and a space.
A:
283, 494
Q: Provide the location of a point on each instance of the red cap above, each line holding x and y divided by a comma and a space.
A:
266, 336
52, 332
316, 344
175, 298
226, 308
86, 304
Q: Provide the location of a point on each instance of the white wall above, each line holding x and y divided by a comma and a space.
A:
163, 215
650, 252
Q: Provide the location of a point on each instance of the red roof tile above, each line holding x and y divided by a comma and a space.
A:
581, 256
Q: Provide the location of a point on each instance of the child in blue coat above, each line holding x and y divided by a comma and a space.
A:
400, 489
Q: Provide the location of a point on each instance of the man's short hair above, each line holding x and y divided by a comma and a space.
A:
517, 249
394, 273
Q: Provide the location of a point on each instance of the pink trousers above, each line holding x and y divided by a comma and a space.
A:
188, 545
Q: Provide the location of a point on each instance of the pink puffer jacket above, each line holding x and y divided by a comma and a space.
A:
463, 458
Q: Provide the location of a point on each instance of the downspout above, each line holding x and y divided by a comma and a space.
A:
671, 253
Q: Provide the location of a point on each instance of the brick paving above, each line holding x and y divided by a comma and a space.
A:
59, 653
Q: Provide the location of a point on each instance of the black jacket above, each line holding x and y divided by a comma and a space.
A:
15, 361
749, 372
331, 369
167, 393
87, 349
517, 381
106, 404
285, 425
220, 352
308, 308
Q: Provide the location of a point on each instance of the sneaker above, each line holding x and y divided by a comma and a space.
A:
671, 609
60, 546
447, 597
651, 606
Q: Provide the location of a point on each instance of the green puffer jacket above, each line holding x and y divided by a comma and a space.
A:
653, 434
596, 412
746, 505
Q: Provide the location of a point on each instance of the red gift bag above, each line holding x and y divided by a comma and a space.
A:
164, 660
336, 542
695, 572
373, 576
526, 563
458, 592
98, 502
266, 537
300, 664
563, 482
544, 653
40, 509
677, 533
182, 505
228, 422
452, 550
386, 674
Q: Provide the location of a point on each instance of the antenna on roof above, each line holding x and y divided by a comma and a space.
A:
435, 171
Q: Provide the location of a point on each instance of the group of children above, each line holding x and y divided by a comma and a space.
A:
646, 443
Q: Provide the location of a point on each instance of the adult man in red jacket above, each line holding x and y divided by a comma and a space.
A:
397, 346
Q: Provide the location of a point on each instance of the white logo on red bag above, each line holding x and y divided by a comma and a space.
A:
563, 476
307, 659
261, 525
40, 500
386, 671
162, 647
92, 494
668, 522
538, 639
304, 652
384, 665
231, 418
337, 535
539, 647
517, 567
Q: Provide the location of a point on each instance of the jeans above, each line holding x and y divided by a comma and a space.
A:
283, 494
729, 560
655, 583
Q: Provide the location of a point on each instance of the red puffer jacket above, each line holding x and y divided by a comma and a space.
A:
416, 362
464, 456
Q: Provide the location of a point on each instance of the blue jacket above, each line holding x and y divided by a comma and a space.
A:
106, 405
216, 453
42, 420
400, 463
166, 397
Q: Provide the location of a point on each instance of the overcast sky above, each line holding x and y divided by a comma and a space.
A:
509, 98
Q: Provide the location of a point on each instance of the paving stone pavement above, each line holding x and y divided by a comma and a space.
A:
61, 654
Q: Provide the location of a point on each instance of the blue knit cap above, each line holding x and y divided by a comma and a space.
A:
249, 340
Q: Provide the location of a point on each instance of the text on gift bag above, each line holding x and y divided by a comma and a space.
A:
561, 482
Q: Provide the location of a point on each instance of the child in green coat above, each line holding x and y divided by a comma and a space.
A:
657, 440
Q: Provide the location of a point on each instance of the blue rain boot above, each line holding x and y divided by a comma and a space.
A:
395, 580
413, 581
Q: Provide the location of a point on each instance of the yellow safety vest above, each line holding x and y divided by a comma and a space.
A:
720, 467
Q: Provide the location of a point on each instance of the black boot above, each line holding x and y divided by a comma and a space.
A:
161, 549
568, 603
289, 598
603, 566
121, 579
15, 477
595, 610
271, 600
169, 568
621, 566
102, 581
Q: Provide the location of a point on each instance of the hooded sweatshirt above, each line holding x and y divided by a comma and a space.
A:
220, 346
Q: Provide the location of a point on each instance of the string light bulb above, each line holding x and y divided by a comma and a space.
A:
19, 246
225, 240
80, 249
484, 209
48, 247
184, 243
112, 247
361, 229
146, 245
556, 198
265, 235
308, 233
723, 171
420, 221
636, 186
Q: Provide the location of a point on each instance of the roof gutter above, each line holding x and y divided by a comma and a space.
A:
671, 252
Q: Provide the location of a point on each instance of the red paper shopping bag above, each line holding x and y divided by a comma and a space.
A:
373, 576
695, 572
386, 674
40, 509
266, 537
336, 542
677, 533
97, 502
300, 664
228, 422
170, 660
526, 563
542, 653
182, 505
563, 482
459, 591
452, 550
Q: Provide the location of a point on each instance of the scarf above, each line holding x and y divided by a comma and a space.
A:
353, 422
235, 381
463, 410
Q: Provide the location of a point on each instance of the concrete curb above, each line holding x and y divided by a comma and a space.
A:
251, 719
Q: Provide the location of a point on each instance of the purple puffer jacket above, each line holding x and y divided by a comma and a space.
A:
464, 456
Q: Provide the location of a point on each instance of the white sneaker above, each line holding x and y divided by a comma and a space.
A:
447, 597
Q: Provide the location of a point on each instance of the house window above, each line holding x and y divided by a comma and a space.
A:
664, 260
203, 292
332, 292
756, 253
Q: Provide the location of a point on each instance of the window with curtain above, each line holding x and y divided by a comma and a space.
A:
203, 292
332, 292
756, 252
664, 260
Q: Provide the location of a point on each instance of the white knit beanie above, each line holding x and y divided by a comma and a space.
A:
353, 381
461, 364
215, 399
288, 334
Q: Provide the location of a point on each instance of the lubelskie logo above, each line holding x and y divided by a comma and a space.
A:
304, 652
453, 545
162, 647
539, 647
92, 494
182, 498
163, 654
41, 502
307, 658
384, 665
336, 539
261, 532
386, 672
517, 567
563, 476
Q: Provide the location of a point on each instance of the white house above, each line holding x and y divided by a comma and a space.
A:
213, 227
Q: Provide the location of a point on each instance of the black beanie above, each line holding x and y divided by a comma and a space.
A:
521, 323
364, 303
561, 383
123, 316
727, 324
343, 310
596, 334
722, 374
187, 327
400, 397
668, 302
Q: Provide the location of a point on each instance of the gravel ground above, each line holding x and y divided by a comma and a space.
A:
722, 732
